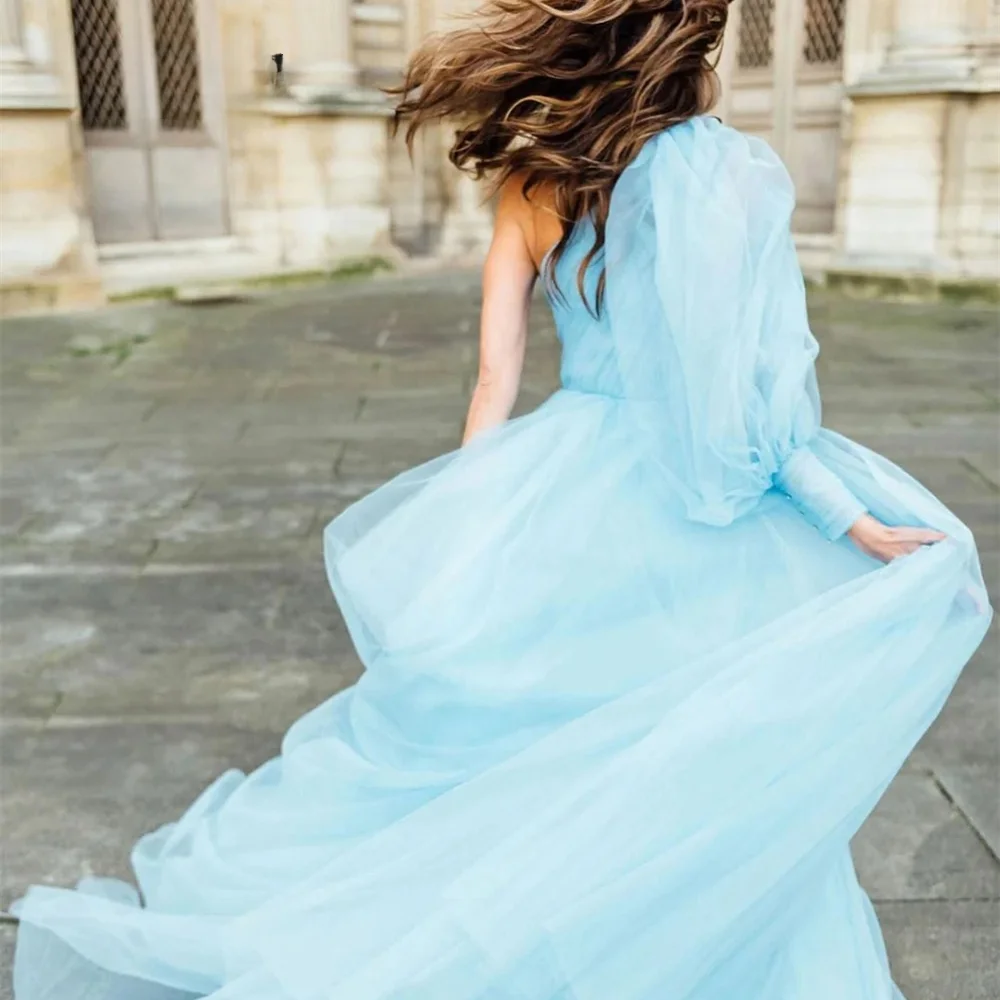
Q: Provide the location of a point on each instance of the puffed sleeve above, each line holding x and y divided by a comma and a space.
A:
707, 313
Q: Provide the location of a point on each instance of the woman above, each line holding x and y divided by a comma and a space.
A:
638, 664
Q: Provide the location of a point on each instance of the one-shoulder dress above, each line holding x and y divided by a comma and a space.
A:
629, 690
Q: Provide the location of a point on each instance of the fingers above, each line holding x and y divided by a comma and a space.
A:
905, 541
920, 536
892, 543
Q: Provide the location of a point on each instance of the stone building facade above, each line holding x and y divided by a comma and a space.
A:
154, 142
887, 113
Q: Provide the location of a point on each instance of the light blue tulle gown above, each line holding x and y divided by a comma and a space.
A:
629, 690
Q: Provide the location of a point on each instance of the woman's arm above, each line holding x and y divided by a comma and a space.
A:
508, 278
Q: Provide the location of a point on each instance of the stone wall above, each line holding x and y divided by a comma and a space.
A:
911, 178
920, 184
308, 154
47, 254
316, 175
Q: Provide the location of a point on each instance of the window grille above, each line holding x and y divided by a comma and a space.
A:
175, 38
98, 46
824, 34
756, 34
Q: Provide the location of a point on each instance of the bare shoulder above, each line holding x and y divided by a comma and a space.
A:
512, 205
534, 214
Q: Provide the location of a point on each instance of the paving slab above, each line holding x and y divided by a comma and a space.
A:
258, 614
167, 473
974, 789
75, 795
917, 845
944, 950
968, 730
7, 936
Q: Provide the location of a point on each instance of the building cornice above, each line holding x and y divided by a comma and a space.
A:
970, 68
318, 102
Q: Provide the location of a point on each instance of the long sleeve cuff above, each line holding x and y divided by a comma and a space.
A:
818, 493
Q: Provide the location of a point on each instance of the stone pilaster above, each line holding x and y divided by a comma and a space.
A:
317, 148
921, 163
26, 80
930, 38
468, 220
323, 63
934, 46
10, 33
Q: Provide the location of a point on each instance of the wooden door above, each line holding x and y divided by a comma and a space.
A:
786, 86
151, 105
815, 118
753, 94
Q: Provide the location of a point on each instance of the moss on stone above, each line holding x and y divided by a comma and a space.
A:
351, 267
913, 287
153, 293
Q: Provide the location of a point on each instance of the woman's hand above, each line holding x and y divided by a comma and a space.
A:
881, 542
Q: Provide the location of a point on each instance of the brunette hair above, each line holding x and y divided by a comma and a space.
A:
564, 93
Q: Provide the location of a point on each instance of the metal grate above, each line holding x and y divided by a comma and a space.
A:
175, 37
98, 46
756, 36
824, 36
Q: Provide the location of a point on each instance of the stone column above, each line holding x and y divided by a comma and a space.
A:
468, 221
919, 167
13, 61
10, 31
322, 64
931, 40
47, 253
929, 23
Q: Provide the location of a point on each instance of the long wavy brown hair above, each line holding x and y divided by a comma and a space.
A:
563, 93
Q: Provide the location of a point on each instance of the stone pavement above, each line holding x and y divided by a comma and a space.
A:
167, 474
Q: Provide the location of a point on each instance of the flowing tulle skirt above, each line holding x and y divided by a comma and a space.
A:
599, 751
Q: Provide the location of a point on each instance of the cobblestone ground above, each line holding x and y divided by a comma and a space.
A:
168, 471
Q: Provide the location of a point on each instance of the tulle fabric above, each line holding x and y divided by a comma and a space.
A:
700, 251
624, 706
